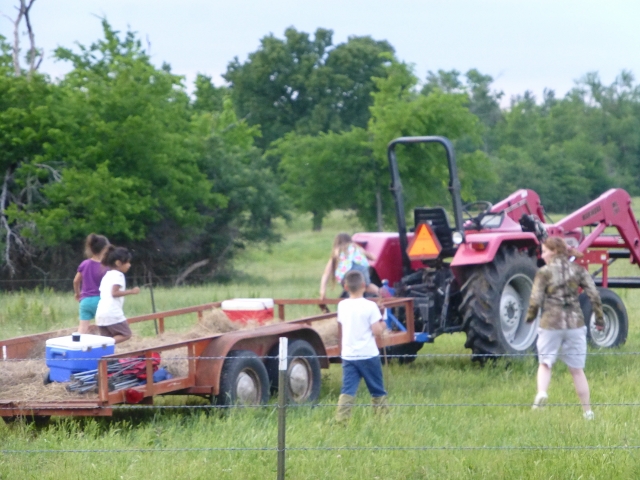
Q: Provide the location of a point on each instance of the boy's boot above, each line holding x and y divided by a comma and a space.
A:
343, 413
380, 405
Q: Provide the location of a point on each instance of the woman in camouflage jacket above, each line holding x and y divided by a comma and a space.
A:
562, 329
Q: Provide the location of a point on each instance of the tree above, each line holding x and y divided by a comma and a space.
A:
208, 97
118, 148
304, 85
325, 172
34, 55
350, 169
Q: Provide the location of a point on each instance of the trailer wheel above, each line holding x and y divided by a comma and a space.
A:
495, 299
39, 421
404, 354
303, 372
244, 380
616, 321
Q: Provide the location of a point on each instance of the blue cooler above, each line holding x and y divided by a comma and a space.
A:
76, 353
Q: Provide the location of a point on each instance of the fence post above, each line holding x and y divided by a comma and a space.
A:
282, 405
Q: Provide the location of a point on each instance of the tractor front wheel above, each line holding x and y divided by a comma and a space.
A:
616, 321
494, 305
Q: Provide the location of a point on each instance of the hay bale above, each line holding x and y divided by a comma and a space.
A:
328, 331
23, 381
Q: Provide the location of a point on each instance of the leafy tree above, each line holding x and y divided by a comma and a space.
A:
118, 147
27, 130
350, 169
209, 98
303, 84
325, 172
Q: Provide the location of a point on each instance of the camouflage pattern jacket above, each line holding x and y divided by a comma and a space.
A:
555, 292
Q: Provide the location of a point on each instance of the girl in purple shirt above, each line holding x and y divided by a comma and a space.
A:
86, 283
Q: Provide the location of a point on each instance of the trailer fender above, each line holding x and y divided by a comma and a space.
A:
259, 340
481, 248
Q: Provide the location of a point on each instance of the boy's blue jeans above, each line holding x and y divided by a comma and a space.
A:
370, 369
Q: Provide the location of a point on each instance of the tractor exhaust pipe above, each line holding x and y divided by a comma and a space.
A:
396, 189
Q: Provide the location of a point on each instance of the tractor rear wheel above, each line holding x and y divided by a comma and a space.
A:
616, 321
494, 305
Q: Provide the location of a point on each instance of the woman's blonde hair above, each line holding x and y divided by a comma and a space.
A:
559, 247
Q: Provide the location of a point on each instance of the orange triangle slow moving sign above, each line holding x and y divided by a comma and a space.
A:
425, 245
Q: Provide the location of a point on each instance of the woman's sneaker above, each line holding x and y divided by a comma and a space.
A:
540, 400
588, 415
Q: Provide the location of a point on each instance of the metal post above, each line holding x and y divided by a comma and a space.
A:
282, 405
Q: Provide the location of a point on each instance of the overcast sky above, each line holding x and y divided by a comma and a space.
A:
523, 44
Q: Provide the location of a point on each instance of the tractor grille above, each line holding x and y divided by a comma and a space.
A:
437, 219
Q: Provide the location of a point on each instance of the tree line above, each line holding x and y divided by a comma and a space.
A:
118, 146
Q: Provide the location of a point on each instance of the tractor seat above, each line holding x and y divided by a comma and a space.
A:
436, 218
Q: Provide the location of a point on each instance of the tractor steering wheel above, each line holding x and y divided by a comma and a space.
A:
476, 219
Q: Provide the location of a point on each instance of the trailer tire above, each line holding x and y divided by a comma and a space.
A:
404, 354
39, 421
495, 299
303, 372
244, 380
616, 320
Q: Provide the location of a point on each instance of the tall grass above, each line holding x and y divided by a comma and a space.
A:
292, 269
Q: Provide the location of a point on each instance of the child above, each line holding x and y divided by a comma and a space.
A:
86, 283
109, 316
345, 257
359, 322
562, 331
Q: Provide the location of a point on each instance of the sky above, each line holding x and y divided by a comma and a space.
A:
522, 44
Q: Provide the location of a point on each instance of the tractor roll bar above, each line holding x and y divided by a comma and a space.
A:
396, 189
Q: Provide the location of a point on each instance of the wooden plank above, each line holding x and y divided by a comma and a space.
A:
174, 313
71, 407
103, 381
159, 388
149, 371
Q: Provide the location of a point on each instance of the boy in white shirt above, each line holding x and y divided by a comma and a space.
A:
109, 315
359, 322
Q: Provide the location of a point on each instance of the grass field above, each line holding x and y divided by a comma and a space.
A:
292, 269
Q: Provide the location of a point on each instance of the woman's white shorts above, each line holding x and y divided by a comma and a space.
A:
569, 344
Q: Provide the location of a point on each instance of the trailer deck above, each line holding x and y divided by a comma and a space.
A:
206, 358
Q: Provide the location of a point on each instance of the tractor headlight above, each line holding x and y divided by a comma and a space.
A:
457, 238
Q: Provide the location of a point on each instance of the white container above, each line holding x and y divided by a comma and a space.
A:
245, 309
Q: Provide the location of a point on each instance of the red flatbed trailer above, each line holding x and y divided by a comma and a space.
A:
206, 358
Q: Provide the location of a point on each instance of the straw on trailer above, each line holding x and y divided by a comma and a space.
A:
23, 380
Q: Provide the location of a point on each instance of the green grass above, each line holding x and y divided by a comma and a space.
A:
292, 269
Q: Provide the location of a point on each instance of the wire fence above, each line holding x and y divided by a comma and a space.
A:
283, 405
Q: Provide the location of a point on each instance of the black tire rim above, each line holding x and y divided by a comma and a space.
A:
514, 302
300, 379
606, 337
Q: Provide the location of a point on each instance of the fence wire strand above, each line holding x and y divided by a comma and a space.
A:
335, 449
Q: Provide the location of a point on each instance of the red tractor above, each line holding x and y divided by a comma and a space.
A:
476, 276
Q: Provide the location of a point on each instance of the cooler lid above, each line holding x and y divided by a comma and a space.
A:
247, 304
86, 340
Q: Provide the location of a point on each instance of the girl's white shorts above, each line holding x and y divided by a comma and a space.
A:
568, 344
